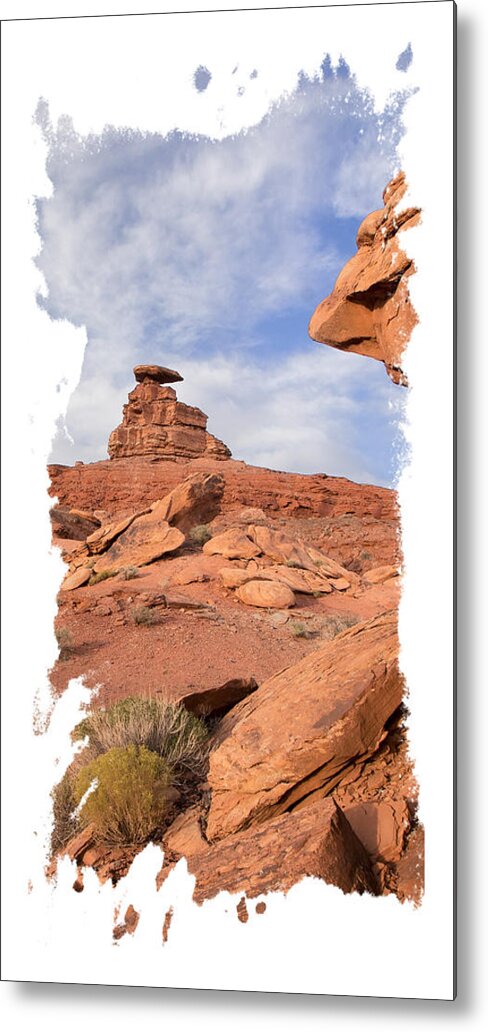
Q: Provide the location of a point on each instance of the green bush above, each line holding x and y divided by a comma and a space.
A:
65, 822
129, 572
144, 616
103, 575
163, 727
334, 625
299, 629
200, 534
65, 641
129, 798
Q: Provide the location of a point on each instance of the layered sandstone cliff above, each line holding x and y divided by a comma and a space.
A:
369, 310
155, 423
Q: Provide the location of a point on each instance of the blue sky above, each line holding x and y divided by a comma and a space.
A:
210, 257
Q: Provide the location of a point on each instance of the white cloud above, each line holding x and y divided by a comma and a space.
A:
306, 414
176, 250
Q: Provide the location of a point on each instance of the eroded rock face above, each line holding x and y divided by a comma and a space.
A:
122, 486
316, 842
369, 310
337, 702
155, 423
196, 500
72, 524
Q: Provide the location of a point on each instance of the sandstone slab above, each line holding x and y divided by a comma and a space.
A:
214, 702
337, 702
101, 539
146, 538
77, 579
316, 842
196, 500
381, 827
380, 574
184, 836
232, 544
72, 524
266, 594
157, 373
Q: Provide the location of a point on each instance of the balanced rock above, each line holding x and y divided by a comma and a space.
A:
369, 310
157, 373
155, 423
337, 700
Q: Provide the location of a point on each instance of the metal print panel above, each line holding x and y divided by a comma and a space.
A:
230, 383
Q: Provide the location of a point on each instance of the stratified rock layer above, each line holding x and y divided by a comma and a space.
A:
318, 842
120, 487
369, 310
155, 423
305, 728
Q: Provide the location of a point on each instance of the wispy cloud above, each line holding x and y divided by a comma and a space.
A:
212, 255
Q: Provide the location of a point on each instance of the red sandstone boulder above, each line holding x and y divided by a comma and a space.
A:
305, 728
232, 544
101, 539
315, 842
157, 373
184, 836
369, 311
146, 538
72, 524
196, 500
266, 594
77, 579
380, 574
381, 827
213, 702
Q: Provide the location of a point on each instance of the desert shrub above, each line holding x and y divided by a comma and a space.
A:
294, 564
103, 575
129, 797
299, 629
334, 625
65, 823
165, 728
200, 534
365, 556
143, 616
129, 572
65, 641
